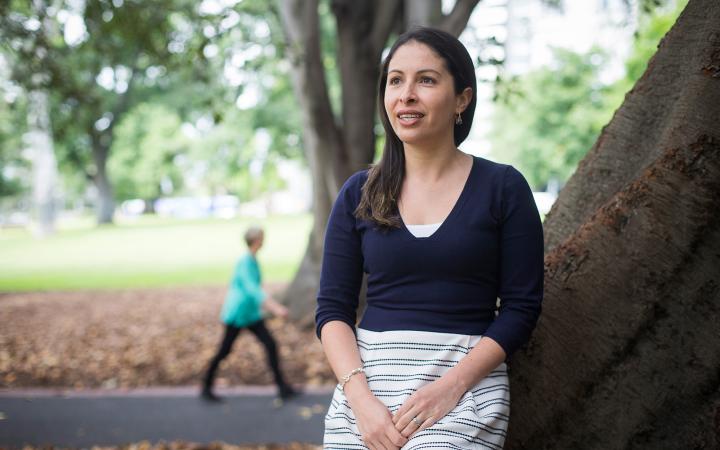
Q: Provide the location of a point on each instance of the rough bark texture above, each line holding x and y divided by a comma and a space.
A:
626, 353
335, 148
674, 100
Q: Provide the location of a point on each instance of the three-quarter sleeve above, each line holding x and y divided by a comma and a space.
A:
342, 262
521, 265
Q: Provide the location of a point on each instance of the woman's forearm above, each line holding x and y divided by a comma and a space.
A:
341, 350
476, 365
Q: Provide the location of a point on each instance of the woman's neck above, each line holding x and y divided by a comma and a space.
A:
431, 164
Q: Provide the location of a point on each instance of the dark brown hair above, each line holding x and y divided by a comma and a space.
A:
380, 192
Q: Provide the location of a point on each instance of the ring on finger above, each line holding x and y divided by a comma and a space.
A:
417, 421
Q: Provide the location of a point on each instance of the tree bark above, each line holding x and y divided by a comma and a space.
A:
105, 208
336, 148
421, 13
626, 353
320, 134
653, 117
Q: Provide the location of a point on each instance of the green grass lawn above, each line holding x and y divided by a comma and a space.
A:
148, 252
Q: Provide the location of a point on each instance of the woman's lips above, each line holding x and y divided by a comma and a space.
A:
409, 118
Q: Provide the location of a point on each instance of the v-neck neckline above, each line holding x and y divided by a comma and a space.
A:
455, 209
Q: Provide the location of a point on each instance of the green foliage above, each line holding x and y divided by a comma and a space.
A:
239, 103
279, 114
652, 28
546, 120
166, 65
152, 155
222, 157
131, 52
14, 169
144, 148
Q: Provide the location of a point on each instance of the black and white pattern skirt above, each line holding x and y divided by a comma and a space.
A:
397, 363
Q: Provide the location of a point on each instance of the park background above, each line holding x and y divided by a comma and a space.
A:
139, 139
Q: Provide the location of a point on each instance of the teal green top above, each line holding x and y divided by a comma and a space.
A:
245, 295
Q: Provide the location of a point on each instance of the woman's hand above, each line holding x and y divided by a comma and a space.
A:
427, 405
375, 423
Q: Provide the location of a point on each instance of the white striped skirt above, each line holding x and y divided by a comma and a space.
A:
397, 363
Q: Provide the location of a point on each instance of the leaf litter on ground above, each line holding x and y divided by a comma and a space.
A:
141, 338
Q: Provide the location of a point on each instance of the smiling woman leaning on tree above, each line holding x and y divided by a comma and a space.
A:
442, 235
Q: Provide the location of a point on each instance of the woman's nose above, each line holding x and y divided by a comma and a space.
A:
408, 95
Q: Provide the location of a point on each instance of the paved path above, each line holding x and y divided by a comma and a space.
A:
249, 415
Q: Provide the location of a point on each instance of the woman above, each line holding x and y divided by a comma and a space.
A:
442, 235
243, 309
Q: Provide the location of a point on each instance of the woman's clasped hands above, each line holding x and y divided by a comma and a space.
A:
375, 423
426, 406
382, 430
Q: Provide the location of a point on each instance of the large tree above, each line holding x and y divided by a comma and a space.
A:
38, 137
338, 145
126, 52
627, 350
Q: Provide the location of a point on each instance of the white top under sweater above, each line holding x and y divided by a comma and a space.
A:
424, 230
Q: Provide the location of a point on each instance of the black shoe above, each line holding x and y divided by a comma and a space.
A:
287, 392
209, 396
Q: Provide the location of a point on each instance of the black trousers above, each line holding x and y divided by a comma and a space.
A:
265, 338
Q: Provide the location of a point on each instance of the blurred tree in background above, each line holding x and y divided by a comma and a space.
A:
104, 61
145, 147
13, 166
546, 120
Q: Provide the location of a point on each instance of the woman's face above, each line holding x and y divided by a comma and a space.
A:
420, 96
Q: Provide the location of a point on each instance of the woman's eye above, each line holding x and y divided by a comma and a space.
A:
394, 80
427, 80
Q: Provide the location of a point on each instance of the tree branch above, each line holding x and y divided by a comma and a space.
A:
299, 21
124, 102
455, 22
385, 17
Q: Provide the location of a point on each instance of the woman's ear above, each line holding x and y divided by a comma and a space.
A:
464, 99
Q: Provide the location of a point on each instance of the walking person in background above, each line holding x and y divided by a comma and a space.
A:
442, 235
243, 309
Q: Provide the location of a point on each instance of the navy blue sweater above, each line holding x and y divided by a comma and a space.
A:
490, 246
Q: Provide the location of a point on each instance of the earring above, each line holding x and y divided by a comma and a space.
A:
458, 120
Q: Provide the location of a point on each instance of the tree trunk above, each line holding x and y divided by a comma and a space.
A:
626, 353
320, 135
101, 144
44, 163
335, 149
105, 208
40, 135
421, 13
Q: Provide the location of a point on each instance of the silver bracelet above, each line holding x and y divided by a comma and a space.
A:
347, 377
